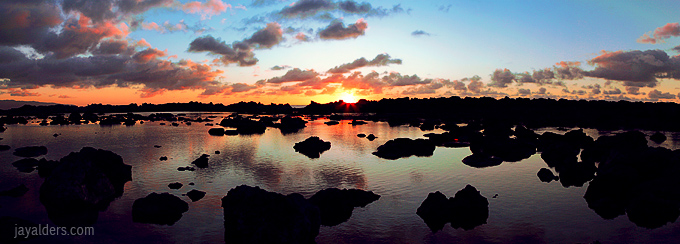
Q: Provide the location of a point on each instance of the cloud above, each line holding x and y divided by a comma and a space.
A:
22, 93
264, 3
241, 87
568, 70
543, 75
355, 8
24, 23
660, 34
396, 79
302, 37
524, 92
280, 67
306, 8
656, 94
458, 85
419, 33
103, 10
294, 75
239, 52
379, 60
445, 9
616, 91
148, 55
542, 91
167, 27
206, 9
677, 49
370, 82
501, 78
635, 68
633, 90
337, 30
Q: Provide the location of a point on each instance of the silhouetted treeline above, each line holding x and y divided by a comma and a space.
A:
535, 113
241, 107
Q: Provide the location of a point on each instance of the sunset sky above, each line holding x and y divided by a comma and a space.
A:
158, 51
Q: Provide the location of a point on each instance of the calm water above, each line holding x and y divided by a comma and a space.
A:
526, 209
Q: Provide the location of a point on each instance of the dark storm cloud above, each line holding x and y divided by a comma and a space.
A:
656, 94
419, 33
239, 52
379, 60
101, 10
337, 30
111, 47
501, 78
294, 75
635, 68
23, 23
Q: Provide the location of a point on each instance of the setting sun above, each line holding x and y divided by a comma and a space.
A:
348, 97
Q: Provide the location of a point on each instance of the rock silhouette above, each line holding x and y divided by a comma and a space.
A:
26, 165
195, 195
404, 148
312, 147
481, 161
82, 184
32, 151
15, 192
162, 209
253, 215
546, 175
4, 147
336, 205
244, 125
467, 209
202, 161
175, 185
216, 131
291, 124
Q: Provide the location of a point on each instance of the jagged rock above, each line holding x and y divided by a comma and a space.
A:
546, 175
312, 147
404, 148
26, 165
15, 192
467, 209
216, 131
253, 215
658, 137
336, 205
201, 162
175, 185
162, 209
82, 184
195, 195
32, 151
481, 161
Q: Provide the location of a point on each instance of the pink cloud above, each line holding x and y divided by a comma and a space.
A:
664, 32
64, 96
206, 9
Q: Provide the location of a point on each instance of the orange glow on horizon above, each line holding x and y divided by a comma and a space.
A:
348, 97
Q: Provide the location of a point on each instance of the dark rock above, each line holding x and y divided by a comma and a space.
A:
32, 151
332, 122
82, 184
291, 124
658, 137
175, 124
55, 135
8, 229
15, 192
230, 132
467, 209
253, 215
507, 149
187, 168
357, 122
576, 174
208, 124
361, 135
156, 146
45, 167
312, 147
481, 161
195, 195
201, 162
217, 152
371, 137
336, 205
161, 123
175, 185
404, 148
4, 147
244, 125
26, 165
162, 209
216, 131
650, 211
546, 175
163, 158
191, 183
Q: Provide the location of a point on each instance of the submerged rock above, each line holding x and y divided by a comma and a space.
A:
82, 184
32, 151
162, 209
195, 195
163, 158
336, 205
361, 135
253, 215
15, 192
546, 175
312, 147
467, 209
404, 148
201, 162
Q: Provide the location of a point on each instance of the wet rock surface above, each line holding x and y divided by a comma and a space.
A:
467, 209
312, 147
162, 209
404, 148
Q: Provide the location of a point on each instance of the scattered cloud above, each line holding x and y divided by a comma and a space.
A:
206, 9
660, 34
306, 8
280, 67
420, 33
656, 94
379, 60
501, 78
337, 30
239, 52
444, 8
635, 68
294, 75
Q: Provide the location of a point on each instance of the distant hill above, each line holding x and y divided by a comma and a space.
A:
8, 104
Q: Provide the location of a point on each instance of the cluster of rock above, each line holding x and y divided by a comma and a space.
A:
254, 215
467, 209
404, 148
312, 147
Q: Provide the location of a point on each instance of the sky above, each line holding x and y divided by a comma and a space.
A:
276, 51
